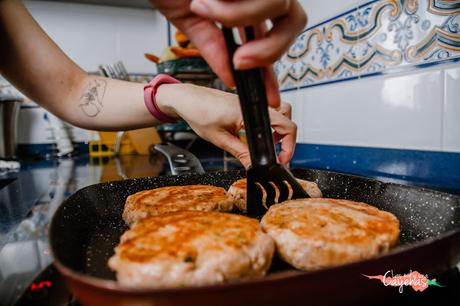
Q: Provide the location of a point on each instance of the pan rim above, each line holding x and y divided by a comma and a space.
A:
112, 285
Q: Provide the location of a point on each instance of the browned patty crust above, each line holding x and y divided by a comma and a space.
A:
175, 198
316, 233
191, 248
237, 191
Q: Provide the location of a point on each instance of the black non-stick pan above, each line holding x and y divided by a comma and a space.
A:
88, 225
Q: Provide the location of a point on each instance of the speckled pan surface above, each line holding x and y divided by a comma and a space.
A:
87, 226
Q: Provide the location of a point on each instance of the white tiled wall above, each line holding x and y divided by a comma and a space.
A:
320, 10
92, 35
419, 109
451, 115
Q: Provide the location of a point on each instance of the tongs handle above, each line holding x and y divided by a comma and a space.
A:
253, 100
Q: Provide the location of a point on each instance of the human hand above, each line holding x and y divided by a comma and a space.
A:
216, 117
197, 19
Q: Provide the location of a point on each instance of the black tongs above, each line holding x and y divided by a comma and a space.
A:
267, 181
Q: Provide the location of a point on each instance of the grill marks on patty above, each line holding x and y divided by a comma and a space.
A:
237, 191
191, 248
317, 233
178, 237
175, 198
174, 234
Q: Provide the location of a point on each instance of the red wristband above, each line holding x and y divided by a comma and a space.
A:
150, 91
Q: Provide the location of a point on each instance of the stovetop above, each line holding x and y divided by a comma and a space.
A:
31, 197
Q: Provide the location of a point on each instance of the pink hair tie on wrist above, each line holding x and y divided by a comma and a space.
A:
150, 91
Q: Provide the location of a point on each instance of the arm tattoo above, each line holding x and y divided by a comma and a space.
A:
91, 99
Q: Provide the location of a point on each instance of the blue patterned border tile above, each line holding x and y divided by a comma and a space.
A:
377, 37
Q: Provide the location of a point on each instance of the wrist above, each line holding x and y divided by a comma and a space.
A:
166, 101
156, 90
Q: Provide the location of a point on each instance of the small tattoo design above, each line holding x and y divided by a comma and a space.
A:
91, 99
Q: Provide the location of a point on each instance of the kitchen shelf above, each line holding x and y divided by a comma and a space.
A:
145, 4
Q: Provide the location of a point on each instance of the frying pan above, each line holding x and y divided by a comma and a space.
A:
88, 225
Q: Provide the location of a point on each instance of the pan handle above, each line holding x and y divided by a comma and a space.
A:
180, 160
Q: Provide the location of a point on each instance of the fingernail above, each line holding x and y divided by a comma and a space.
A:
199, 7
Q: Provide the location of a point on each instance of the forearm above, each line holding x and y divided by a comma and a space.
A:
107, 104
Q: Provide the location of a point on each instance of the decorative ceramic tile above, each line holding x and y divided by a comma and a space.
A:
377, 37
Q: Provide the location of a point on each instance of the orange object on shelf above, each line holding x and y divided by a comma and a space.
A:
185, 52
152, 57
181, 38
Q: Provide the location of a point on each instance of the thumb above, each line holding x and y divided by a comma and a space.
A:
233, 145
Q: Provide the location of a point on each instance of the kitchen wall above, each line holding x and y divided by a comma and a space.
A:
320, 10
91, 35
366, 90
377, 74
375, 87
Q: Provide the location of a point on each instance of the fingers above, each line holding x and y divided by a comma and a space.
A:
271, 87
208, 38
287, 16
286, 130
285, 109
267, 49
233, 145
287, 147
277, 137
240, 13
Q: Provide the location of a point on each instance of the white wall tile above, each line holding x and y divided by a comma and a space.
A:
320, 10
451, 126
93, 35
295, 98
396, 112
146, 32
